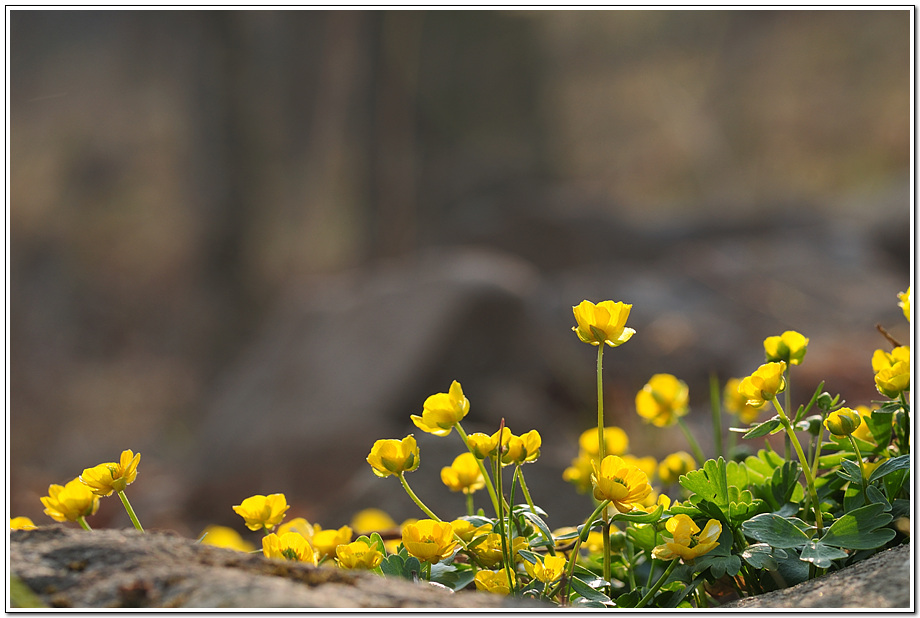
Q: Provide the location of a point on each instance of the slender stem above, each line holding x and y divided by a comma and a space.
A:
905, 424
694, 445
809, 479
570, 568
421, 505
817, 456
506, 554
630, 575
124, 500
716, 412
520, 475
482, 468
601, 443
469, 503
664, 576
82, 521
862, 469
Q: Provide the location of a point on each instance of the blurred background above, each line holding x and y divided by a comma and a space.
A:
248, 244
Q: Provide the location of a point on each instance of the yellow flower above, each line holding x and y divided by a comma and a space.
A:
674, 465
904, 302
108, 477
737, 404
489, 550
325, 541
624, 485
579, 473
463, 474
467, 530
358, 555
842, 422
442, 411
371, 520
547, 568
429, 540
604, 322
883, 360
394, 456
21, 523
763, 385
663, 400
521, 449
262, 511
687, 541
616, 442
484, 446
70, 502
495, 582
299, 525
288, 546
222, 536
894, 380
789, 347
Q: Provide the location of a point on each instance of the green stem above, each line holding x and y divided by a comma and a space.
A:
630, 575
82, 521
904, 446
506, 554
570, 567
124, 500
602, 451
694, 445
469, 503
664, 576
421, 505
482, 468
787, 395
809, 478
714, 397
864, 478
520, 476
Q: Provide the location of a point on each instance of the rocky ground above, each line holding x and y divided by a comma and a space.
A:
68, 568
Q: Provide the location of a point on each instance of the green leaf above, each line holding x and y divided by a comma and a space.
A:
877, 497
708, 483
643, 536
762, 556
583, 602
736, 473
640, 517
888, 466
821, 555
377, 541
880, 427
448, 575
775, 531
629, 599
860, 529
529, 556
784, 481
588, 592
540, 525
719, 565
850, 471
762, 429
894, 482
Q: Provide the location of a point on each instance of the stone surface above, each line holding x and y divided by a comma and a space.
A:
882, 581
124, 568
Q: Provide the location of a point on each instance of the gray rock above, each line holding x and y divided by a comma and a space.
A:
881, 581
66, 567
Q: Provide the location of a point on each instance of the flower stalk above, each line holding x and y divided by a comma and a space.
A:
127, 505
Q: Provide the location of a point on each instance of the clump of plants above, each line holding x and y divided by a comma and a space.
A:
683, 532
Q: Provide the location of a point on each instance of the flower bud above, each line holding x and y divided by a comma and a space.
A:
842, 422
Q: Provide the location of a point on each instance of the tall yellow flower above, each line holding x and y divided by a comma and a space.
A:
483, 445
763, 385
687, 541
521, 449
547, 569
894, 380
108, 477
21, 523
222, 536
674, 465
616, 441
843, 421
789, 347
663, 400
885, 360
429, 540
70, 502
442, 411
288, 546
463, 474
300, 526
260, 512
358, 555
495, 582
624, 485
394, 456
604, 322
467, 530
904, 302
579, 473
737, 404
